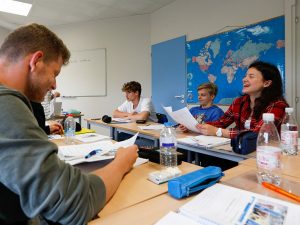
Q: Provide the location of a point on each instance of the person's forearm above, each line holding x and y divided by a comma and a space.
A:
119, 114
139, 116
111, 175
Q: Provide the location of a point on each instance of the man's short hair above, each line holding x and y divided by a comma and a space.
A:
31, 38
132, 86
212, 88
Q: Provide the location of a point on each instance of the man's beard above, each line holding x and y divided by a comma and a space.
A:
32, 91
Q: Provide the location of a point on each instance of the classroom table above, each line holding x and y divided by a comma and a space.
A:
150, 211
129, 128
135, 187
223, 151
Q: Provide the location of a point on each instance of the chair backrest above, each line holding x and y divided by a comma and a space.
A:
161, 118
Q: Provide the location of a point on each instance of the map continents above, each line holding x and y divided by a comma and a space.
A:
223, 58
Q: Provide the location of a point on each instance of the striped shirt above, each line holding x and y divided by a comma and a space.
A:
47, 105
239, 115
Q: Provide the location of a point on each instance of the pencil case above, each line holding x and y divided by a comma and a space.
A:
193, 182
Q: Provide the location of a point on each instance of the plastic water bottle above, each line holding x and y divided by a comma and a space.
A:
69, 127
268, 152
168, 146
289, 133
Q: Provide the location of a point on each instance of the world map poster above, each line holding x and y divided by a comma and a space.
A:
224, 58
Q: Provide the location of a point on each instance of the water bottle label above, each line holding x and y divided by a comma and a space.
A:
168, 145
268, 157
289, 138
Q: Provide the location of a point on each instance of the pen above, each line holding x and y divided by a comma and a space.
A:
281, 191
94, 152
96, 119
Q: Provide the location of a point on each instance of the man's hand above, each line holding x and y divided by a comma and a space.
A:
127, 157
55, 128
183, 128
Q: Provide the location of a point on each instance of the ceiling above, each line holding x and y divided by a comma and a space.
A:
58, 12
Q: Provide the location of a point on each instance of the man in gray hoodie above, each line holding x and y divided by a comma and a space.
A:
34, 182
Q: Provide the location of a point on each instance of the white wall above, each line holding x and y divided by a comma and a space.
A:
127, 43
3, 34
200, 18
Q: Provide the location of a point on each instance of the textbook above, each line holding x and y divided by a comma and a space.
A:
225, 205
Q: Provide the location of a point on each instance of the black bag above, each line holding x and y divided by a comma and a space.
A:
244, 143
161, 118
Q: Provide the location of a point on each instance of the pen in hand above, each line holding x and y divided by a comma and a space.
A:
281, 191
94, 152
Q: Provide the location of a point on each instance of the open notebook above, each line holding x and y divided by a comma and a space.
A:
204, 141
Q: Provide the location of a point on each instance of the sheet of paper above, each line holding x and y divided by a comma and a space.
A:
239, 207
184, 117
152, 127
91, 137
121, 120
205, 141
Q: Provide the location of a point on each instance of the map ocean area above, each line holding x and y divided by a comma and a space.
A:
223, 58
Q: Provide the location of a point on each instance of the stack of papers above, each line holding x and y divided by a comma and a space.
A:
225, 205
75, 154
204, 141
184, 117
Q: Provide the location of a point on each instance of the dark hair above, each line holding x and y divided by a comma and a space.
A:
211, 87
271, 93
31, 38
132, 86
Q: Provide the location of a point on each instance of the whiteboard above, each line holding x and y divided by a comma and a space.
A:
85, 75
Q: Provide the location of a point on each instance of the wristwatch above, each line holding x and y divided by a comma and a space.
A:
219, 132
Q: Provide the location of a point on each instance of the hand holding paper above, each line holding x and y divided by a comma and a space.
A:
183, 116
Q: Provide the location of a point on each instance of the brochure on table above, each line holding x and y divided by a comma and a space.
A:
225, 205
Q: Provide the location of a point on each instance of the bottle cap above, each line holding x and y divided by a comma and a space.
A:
289, 110
268, 117
168, 124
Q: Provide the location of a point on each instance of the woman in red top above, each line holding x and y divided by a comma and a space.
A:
262, 89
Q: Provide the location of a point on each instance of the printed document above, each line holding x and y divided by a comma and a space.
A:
184, 117
225, 205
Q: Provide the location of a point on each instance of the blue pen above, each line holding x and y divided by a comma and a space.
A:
94, 152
